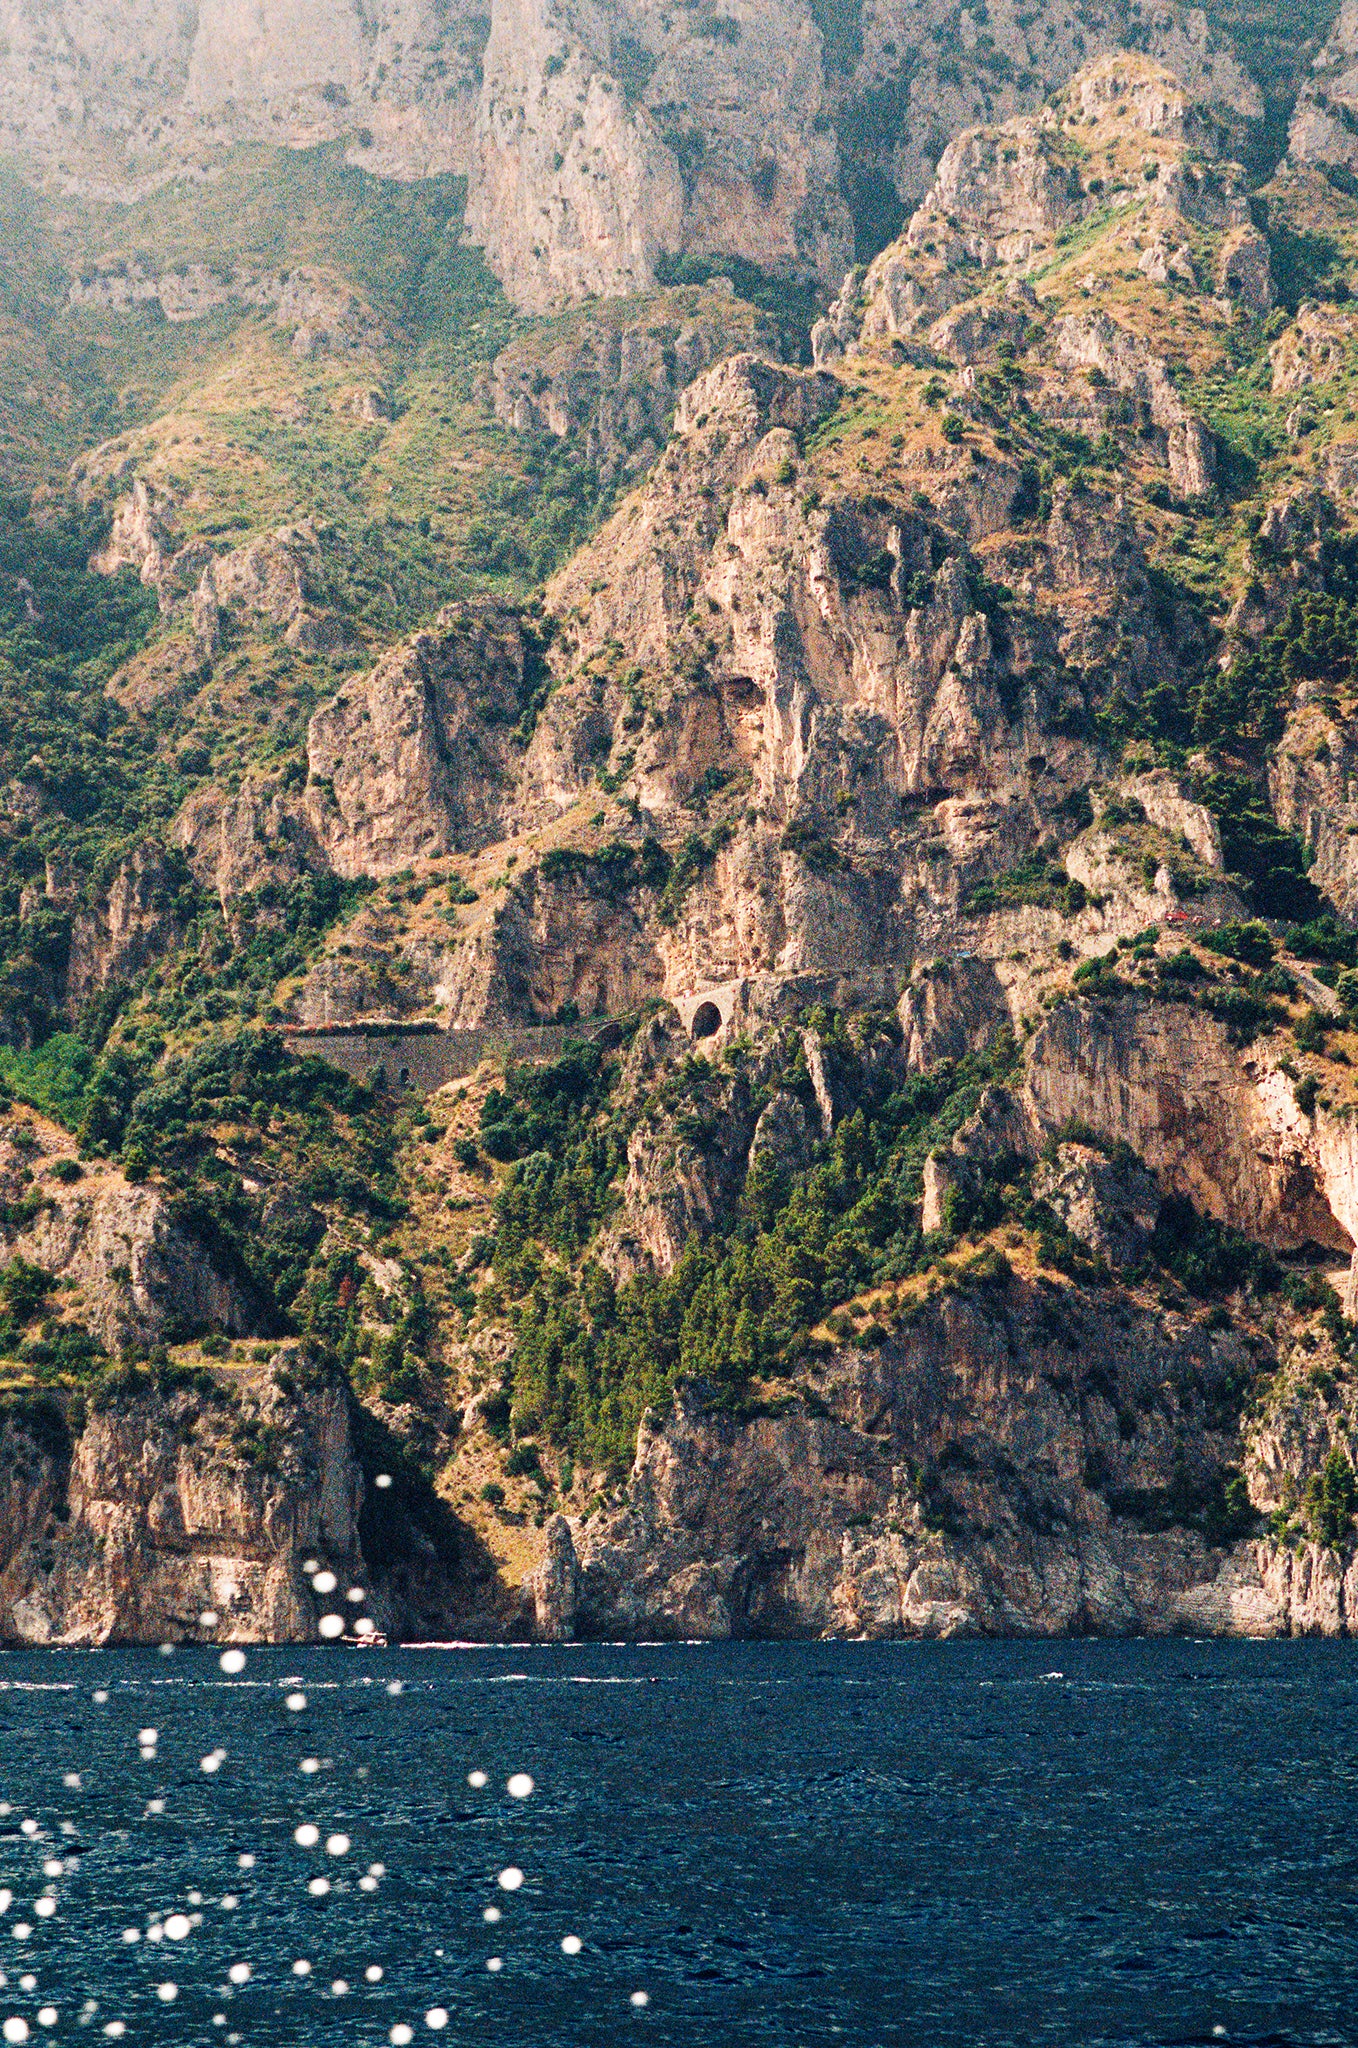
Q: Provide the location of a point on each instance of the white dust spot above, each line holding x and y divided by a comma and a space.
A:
301, 1968
340, 1988
511, 1879
396, 1688
401, 2034
246, 1862
365, 1627
337, 1845
239, 1973
477, 1780
324, 1582
383, 1480
229, 1902
436, 2018
71, 1780
208, 1618
45, 1907
15, 2030
148, 1737
520, 1786
179, 1927
330, 1626
53, 1867
167, 1993
318, 1887
492, 1916
494, 1963
571, 1945
306, 1836
131, 1935
640, 1998
309, 1766
356, 1594
232, 1661
155, 1806
213, 1761
100, 1697
373, 1973
295, 1702
48, 2015
367, 1884
115, 2030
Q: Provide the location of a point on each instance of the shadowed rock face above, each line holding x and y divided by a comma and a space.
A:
999, 1469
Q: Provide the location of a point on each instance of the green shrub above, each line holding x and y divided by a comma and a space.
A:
1331, 1501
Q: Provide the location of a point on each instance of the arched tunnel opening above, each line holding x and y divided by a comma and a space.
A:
706, 1021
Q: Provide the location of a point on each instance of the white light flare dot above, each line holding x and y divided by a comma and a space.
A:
510, 1879
301, 1968
309, 1766
495, 1964
324, 1582
639, 1998
167, 1993
492, 1916
337, 1845
571, 1945
401, 2034
383, 1480
374, 1973
329, 1626
520, 1786
232, 1661
239, 1973
48, 2015
15, 2030
477, 1780
436, 2019
208, 1618
45, 1907
295, 1702
318, 1887
179, 1927
306, 1836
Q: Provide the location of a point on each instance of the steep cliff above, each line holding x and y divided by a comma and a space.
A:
928, 788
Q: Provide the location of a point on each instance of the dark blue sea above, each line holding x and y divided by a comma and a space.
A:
791, 1844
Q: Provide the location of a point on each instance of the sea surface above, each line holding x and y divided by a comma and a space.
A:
790, 1844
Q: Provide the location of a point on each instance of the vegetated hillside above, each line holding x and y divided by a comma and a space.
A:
953, 731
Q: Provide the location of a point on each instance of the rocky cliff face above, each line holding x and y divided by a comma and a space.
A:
602, 145
932, 784
201, 1513
1011, 1463
128, 89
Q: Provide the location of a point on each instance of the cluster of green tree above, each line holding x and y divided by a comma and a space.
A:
302, 1125
590, 1356
1039, 879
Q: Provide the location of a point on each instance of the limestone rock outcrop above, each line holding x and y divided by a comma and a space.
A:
904, 1494
608, 147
